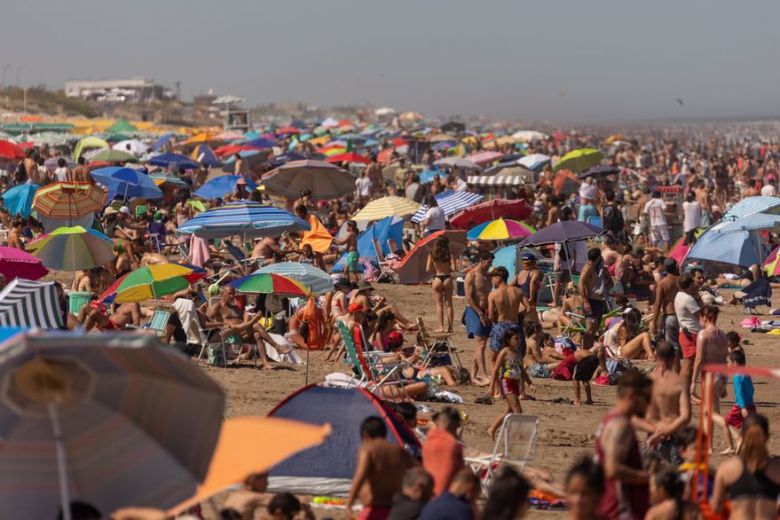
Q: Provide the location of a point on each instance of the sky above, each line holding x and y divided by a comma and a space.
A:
556, 60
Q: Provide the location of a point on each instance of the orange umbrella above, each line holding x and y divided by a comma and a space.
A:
318, 238
69, 200
249, 445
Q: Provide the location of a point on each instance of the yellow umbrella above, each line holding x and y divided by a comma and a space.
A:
613, 138
320, 141
202, 137
387, 207
249, 445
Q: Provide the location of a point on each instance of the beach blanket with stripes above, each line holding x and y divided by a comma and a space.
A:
24, 303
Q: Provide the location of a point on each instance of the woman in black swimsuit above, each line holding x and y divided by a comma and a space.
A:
751, 481
442, 263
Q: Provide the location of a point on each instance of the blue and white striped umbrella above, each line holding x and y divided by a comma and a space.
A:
249, 219
312, 277
450, 203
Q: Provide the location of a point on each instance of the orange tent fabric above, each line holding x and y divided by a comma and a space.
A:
318, 238
249, 445
412, 268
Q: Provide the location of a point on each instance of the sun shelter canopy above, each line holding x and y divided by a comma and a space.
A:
24, 303
386, 230
450, 202
495, 180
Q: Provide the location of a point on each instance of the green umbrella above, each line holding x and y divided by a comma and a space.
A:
113, 156
579, 160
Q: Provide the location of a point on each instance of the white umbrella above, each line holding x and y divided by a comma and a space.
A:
457, 162
533, 161
526, 136
133, 146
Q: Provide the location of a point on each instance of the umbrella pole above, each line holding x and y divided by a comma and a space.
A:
306, 377
61, 470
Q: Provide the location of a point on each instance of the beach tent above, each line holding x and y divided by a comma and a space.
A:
389, 228
24, 303
412, 268
121, 127
88, 143
327, 469
751, 205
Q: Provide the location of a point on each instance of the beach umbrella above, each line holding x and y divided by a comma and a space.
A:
387, 207
229, 135
69, 200
222, 186
613, 139
751, 205
232, 149
324, 180
161, 141
349, 157
506, 257
17, 263
249, 219
267, 283
161, 178
155, 281
199, 138
516, 209
313, 278
500, 229
579, 160
772, 263
9, 150
19, 199
88, 143
113, 156
121, 127
413, 268
527, 136
457, 162
73, 249
755, 221
565, 231
180, 161
205, 155
565, 183
484, 157
127, 183
249, 445
534, 161
99, 418
599, 171
133, 146
680, 249
30, 304
260, 142
450, 202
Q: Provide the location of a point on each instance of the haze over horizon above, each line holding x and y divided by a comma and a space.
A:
565, 60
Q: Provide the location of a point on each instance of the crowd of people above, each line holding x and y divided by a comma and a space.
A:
612, 309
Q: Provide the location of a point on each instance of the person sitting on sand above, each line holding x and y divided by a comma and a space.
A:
539, 360
94, 316
413, 364
251, 497
626, 340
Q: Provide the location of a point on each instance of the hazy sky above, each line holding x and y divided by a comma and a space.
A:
546, 59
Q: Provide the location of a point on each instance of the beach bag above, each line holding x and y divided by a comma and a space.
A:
616, 368
216, 356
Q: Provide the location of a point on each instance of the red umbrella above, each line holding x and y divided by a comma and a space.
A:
350, 157
17, 263
384, 156
230, 149
287, 130
491, 210
9, 150
399, 141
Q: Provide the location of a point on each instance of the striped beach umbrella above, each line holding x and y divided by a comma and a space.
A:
387, 207
73, 249
500, 229
69, 200
248, 219
313, 278
266, 283
450, 202
99, 417
155, 281
24, 303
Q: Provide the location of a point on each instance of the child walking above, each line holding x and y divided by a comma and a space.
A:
508, 375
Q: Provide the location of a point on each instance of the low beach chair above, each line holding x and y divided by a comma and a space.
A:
515, 445
438, 345
159, 321
368, 369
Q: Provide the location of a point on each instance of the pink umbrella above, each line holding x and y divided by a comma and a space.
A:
482, 158
15, 263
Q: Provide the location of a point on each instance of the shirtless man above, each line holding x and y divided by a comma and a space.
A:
504, 307
664, 318
81, 172
670, 405
34, 174
239, 327
475, 316
93, 316
15, 235
379, 472
529, 280
595, 283
351, 266
268, 251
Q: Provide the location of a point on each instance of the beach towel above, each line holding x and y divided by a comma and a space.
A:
199, 251
290, 357
757, 293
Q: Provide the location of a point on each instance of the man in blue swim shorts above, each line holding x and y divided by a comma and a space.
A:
475, 317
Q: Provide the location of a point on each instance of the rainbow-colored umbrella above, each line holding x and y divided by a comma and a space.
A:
270, 283
73, 249
69, 200
772, 263
500, 229
154, 281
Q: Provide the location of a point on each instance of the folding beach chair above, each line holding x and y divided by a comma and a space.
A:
366, 365
515, 445
438, 345
159, 321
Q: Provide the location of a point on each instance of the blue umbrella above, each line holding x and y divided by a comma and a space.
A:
249, 219
18, 200
290, 156
219, 187
127, 182
742, 247
747, 223
317, 280
181, 161
161, 141
206, 156
427, 176
243, 154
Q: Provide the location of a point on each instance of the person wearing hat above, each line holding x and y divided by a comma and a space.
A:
240, 192
529, 280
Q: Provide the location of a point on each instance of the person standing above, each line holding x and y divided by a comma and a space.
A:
475, 315
363, 189
595, 284
442, 453
692, 214
414, 190
374, 174
434, 219
529, 280
352, 260
664, 319
442, 263
617, 451
711, 348
379, 472
659, 229
504, 303
34, 173
687, 310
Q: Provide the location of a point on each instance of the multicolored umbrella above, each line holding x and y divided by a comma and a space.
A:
19, 199
73, 249
248, 219
313, 278
266, 283
772, 263
387, 207
500, 229
579, 160
15, 263
154, 281
69, 200
99, 417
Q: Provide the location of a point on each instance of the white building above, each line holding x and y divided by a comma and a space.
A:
117, 90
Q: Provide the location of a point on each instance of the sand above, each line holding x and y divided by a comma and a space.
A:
566, 432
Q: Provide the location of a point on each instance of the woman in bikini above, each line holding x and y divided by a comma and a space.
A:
442, 263
626, 341
508, 375
385, 326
